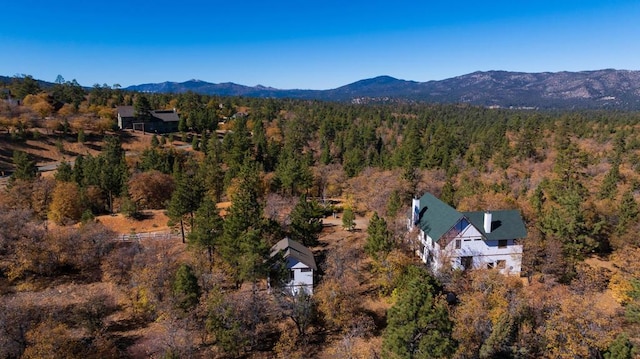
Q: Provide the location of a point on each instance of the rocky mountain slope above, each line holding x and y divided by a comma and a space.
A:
613, 89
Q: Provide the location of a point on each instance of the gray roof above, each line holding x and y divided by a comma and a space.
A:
162, 115
293, 249
126, 111
437, 218
166, 115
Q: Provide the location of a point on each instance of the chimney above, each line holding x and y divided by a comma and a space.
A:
487, 222
415, 211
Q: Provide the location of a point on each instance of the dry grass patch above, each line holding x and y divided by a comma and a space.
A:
152, 221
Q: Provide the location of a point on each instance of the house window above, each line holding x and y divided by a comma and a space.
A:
305, 270
502, 243
461, 225
292, 275
501, 264
466, 262
458, 244
490, 265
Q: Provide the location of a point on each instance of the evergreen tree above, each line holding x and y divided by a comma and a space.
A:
237, 146
112, 169
394, 203
211, 170
24, 85
537, 199
207, 227
186, 290
448, 193
64, 172
243, 216
142, 108
348, 219
78, 171
379, 242
261, 146
620, 348
628, 212
609, 185
325, 155
294, 173
252, 257
306, 222
418, 324
195, 142
185, 200
81, 136
25, 166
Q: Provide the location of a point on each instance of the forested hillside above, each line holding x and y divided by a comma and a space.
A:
257, 170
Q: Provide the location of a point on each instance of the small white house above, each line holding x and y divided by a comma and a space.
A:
300, 263
467, 240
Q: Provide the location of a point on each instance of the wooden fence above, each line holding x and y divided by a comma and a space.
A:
148, 235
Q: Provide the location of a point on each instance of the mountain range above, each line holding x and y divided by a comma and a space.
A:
600, 89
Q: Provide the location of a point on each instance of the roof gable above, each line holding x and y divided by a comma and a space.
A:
436, 217
504, 224
293, 249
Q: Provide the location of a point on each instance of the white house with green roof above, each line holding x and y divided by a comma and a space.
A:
467, 240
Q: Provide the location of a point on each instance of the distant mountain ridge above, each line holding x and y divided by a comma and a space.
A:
601, 89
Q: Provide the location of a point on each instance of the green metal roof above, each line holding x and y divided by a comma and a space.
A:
437, 218
504, 224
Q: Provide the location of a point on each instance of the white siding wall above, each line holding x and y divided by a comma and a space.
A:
484, 252
302, 279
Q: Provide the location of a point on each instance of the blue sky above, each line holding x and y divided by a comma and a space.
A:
311, 44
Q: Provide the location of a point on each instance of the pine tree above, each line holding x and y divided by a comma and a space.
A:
306, 222
448, 193
112, 169
252, 257
64, 172
379, 242
25, 166
142, 108
621, 348
348, 219
211, 170
81, 136
628, 212
537, 199
185, 200
418, 324
243, 216
394, 204
186, 290
207, 227
609, 186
